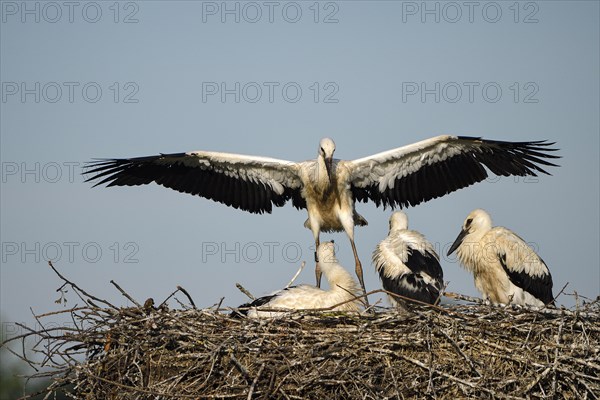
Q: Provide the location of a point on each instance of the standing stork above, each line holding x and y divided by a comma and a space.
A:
407, 263
342, 289
505, 268
327, 187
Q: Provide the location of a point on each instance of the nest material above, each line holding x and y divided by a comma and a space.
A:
466, 351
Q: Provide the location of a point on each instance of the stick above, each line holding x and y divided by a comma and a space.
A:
260, 370
131, 299
455, 379
561, 291
168, 297
182, 290
78, 288
459, 351
296, 275
243, 290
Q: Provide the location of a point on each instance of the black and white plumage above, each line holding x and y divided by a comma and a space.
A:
407, 263
327, 187
505, 267
342, 288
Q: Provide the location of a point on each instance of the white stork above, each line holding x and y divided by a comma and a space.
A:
505, 268
342, 288
407, 263
327, 187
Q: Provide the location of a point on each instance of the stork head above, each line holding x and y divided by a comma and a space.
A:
326, 253
477, 223
326, 150
398, 221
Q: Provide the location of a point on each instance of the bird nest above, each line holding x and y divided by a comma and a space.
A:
460, 351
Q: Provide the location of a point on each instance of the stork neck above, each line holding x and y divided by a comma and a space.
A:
322, 170
323, 181
473, 240
471, 250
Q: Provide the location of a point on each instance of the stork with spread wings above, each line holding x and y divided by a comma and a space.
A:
328, 188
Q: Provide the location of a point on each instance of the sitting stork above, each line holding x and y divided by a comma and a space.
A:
327, 187
407, 263
505, 268
342, 289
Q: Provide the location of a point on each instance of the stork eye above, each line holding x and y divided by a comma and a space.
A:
468, 223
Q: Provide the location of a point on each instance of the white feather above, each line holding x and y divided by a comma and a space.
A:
481, 250
385, 167
392, 253
342, 288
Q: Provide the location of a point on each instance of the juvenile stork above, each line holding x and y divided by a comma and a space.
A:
327, 187
342, 288
505, 268
407, 263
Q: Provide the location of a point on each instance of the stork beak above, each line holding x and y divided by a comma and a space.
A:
329, 167
458, 241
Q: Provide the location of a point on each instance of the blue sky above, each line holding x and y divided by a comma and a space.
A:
106, 79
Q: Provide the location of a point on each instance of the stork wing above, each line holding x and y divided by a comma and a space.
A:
425, 170
252, 184
409, 269
407, 252
523, 266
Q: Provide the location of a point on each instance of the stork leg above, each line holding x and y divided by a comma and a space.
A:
347, 220
359, 271
318, 272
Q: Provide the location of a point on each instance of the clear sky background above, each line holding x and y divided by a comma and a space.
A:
139, 78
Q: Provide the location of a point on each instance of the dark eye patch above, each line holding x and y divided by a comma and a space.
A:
468, 223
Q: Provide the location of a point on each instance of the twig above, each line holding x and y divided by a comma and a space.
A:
243, 290
555, 364
561, 291
296, 275
455, 379
459, 296
218, 307
540, 310
240, 367
182, 290
536, 380
459, 351
168, 297
131, 299
73, 285
255, 381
